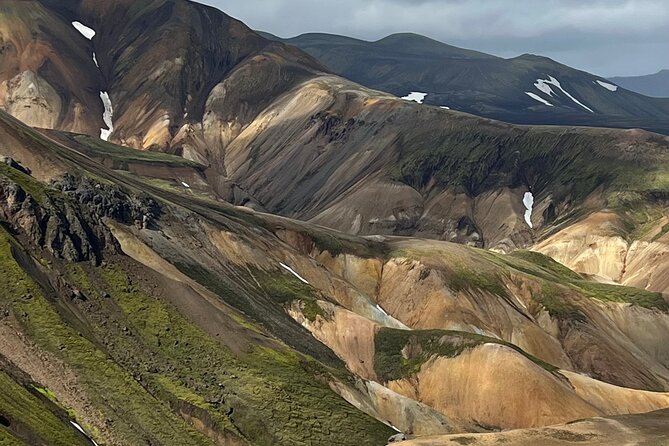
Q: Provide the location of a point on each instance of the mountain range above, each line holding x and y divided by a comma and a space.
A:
210, 238
654, 85
527, 89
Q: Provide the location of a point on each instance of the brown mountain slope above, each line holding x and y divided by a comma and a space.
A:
161, 315
278, 133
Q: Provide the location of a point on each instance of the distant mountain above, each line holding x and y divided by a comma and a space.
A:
654, 85
527, 89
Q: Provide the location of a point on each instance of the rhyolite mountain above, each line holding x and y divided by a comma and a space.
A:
135, 312
527, 89
149, 297
276, 132
654, 85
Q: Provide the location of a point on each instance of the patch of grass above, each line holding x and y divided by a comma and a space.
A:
464, 278
391, 362
7, 439
558, 307
269, 395
48, 394
312, 310
283, 287
121, 156
27, 413
108, 385
621, 294
30, 185
541, 262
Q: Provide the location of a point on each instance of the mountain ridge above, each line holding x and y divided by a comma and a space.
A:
470, 83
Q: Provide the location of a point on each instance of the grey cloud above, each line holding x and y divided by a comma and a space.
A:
608, 37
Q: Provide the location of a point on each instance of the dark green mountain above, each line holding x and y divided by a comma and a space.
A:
486, 85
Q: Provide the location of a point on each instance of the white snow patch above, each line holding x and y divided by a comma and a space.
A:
108, 116
95, 59
608, 86
378, 307
528, 201
445, 108
80, 429
394, 427
185, 185
294, 273
415, 96
85, 31
542, 85
536, 97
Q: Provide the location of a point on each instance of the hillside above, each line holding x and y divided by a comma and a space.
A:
209, 239
654, 85
528, 89
146, 313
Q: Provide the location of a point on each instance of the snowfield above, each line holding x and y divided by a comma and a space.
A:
544, 85
608, 86
528, 201
538, 98
108, 116
415, 96
85, 31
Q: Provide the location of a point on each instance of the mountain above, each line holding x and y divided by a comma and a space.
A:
654, 85
145, 314
527, 89
152, 295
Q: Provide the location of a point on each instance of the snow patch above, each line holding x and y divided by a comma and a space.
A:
415, 96
95, 59
85, 31
80, 429
378, 307
536, 97
544, 85
107, 116
445, 108
293, 273
185, 185
528, 201
608, 86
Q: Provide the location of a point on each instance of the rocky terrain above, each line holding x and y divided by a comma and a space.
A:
191, 312
153, 294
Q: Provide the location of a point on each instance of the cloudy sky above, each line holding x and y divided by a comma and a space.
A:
606, 37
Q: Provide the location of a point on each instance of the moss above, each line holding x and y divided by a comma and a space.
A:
312, 310
541, 262
392, 363
108, 385
551, 298
284, 287
30, 185
121, 156
48, 394
621, 294
464, 278
7, 439
32, 416
269, 394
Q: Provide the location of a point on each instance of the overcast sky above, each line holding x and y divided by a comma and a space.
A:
605, 37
